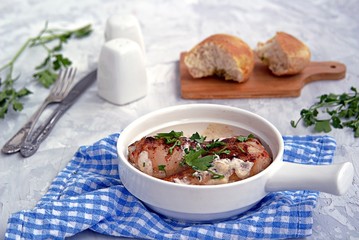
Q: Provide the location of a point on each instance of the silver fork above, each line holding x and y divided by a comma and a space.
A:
57, 93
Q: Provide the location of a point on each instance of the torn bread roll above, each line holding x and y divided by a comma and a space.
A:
222, 55
284, 54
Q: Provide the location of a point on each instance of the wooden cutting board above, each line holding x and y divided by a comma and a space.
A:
262, 82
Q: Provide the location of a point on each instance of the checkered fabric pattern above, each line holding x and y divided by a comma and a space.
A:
88, 194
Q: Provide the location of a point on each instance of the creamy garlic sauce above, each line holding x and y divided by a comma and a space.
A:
216, 130
185, 146
226, 167
181, 181
241, 168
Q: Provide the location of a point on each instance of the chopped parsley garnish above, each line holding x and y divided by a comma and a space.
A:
162, 168
223, 151
198, 138
171, 138
244, 138
177, 143
195, 159
216, 175
215, 143
203, 163
242, 150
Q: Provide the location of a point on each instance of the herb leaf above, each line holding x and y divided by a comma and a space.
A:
215, 143
198, 138
223, 151
171, 137
244, 138
216, 175
203, 163
45, 77
195, 160
322, 126
341, 110
162, 168
176, 143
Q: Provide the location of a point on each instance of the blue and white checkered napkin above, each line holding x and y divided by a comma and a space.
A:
88, 194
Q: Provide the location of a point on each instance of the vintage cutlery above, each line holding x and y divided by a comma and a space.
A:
33, 141
57, 94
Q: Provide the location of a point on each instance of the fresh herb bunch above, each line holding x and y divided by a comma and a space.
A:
46, 72
342, 110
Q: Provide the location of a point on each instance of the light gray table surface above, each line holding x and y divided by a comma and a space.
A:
329, 28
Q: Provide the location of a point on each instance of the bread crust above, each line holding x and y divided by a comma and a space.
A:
235, 50
284, 54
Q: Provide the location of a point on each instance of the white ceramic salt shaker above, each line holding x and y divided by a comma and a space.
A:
121, 72
124, 26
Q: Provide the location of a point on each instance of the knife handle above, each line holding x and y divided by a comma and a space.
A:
33, 141
14, 144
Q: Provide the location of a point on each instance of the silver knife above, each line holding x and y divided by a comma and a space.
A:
33, 141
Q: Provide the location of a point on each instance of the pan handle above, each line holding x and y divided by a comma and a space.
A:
334, 179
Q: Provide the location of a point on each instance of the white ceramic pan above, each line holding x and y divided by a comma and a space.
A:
215, 202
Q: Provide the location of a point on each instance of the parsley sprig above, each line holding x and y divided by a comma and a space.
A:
198, 138
162, 168
195, 159
171, 138
45, 72
215, 143
245, 138
341, 110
